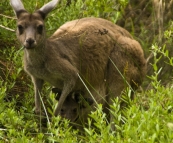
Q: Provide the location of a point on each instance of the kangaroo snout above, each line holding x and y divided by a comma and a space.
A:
29, 43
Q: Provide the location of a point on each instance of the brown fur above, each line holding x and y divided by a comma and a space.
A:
85, 47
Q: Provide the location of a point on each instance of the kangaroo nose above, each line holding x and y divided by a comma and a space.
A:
30, 41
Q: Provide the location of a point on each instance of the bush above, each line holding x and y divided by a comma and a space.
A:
149, 118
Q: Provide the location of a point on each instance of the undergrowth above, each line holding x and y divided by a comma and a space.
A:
148, 118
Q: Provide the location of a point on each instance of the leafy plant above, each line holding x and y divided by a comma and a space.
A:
149, 118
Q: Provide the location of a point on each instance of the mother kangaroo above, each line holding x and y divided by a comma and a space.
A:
90, 54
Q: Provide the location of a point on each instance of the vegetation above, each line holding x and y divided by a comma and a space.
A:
148, 118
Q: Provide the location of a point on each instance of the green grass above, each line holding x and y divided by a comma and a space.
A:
148, 119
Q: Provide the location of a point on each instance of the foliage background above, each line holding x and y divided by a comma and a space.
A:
149, 117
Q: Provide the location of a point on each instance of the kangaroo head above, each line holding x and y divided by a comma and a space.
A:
30, 27
72, 105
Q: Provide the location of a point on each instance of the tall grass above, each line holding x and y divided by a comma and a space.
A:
148, 118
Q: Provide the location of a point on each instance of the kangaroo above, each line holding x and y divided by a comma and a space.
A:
72, 104
92, 55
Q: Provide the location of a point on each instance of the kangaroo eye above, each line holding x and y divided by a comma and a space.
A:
21, 29
40, 29
75, 110
62, 111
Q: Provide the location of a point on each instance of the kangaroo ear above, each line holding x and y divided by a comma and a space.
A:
17, 7
89, 101
85, 102
57, 92
44, 10
77, 96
